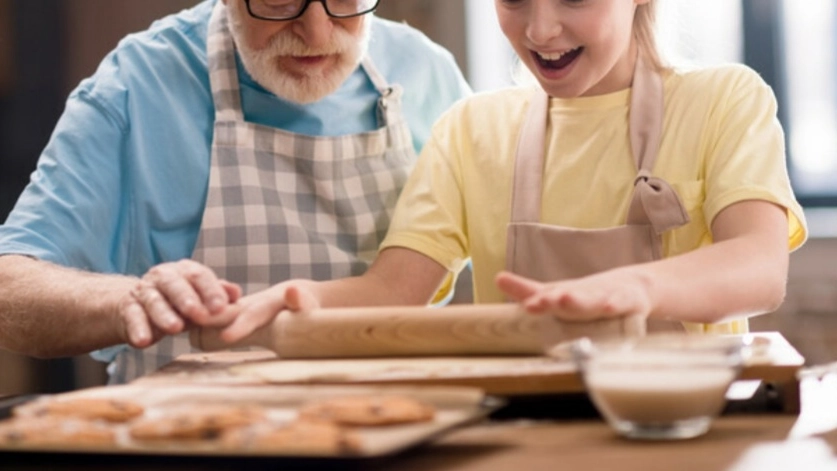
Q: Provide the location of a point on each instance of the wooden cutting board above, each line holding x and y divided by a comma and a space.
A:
774, 361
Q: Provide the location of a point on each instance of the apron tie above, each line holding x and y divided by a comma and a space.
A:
656, 203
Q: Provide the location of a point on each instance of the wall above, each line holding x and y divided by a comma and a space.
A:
441, 20
87, 44
6, 48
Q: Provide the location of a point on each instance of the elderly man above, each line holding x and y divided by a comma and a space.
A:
229, 147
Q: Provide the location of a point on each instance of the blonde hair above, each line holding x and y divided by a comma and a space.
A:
645, 23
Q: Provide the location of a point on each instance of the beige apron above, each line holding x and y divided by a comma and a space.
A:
282, 205
547, 253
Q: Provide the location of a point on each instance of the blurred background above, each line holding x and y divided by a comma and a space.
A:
48, 46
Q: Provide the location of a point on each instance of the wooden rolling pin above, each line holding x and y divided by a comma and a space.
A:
466, 329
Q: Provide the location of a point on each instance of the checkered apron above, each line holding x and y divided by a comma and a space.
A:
282, 205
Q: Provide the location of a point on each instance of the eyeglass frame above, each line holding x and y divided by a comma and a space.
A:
305, 7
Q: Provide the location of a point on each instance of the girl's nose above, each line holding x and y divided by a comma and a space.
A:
544, 22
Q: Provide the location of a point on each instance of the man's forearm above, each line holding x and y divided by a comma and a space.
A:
51, 311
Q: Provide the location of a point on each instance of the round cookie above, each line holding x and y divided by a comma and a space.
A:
195, 423
368, 410
38, 431
111, 410
300, 437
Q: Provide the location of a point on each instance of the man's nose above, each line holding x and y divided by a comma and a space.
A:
314, 26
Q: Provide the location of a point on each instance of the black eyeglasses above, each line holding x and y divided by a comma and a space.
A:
284, 10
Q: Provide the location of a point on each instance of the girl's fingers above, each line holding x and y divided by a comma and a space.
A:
299, 300
517, 287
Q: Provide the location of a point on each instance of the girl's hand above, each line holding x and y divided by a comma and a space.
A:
259, 309
606, 295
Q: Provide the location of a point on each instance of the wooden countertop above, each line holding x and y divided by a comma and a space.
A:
737, 442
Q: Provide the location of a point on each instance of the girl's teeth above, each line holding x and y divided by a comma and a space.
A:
553, 56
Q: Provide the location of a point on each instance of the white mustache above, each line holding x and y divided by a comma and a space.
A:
285, 43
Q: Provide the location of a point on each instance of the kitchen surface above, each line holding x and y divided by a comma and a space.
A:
761, 427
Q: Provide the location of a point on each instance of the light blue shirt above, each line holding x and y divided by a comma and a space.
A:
122, 183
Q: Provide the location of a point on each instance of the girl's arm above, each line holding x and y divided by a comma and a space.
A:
744, 272
399, 276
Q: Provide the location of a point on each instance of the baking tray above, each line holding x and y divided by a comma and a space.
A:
455, 407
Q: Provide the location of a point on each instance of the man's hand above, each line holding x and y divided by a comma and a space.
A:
172, 296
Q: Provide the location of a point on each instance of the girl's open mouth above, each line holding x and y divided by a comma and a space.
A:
557, 61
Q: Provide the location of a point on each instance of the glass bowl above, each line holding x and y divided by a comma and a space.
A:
661, 386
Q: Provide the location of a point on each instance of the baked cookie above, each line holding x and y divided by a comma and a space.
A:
37, 431
195, 423
111, 410
300, 437
368, 410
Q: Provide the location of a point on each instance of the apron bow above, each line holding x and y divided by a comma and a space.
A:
656, 203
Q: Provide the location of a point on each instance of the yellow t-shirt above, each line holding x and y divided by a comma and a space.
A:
721, 144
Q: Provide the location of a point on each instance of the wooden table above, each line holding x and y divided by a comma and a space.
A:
737, 441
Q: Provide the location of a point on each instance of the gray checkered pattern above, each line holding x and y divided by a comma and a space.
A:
282, 205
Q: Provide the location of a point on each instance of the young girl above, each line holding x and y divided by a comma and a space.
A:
619, 187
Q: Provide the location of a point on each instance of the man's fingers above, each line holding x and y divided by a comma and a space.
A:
233, 291
211, 291
192, 290
179, 292
137, 330
157, 308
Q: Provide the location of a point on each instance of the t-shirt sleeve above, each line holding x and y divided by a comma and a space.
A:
429, 216
70, 206
747, 160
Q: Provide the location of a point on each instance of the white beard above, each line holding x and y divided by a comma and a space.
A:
306, 87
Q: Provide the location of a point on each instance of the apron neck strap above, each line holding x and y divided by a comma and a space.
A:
528, 165
223, 71
646, 115
389, 104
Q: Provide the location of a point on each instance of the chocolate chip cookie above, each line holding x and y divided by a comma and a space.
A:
50, 431
204, 422
368, 410
110, 410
